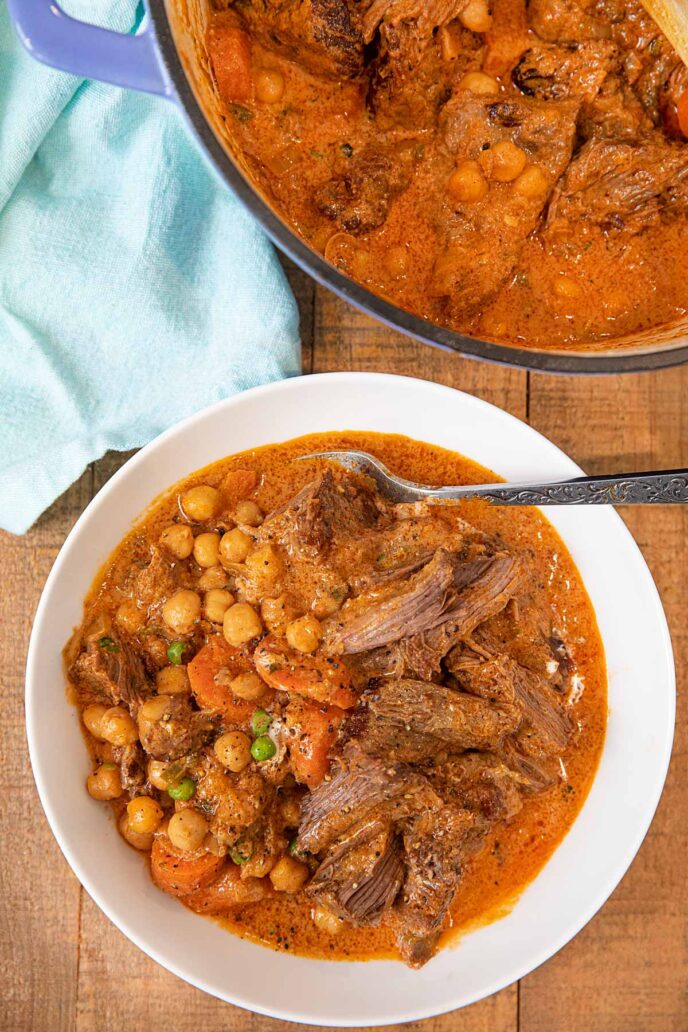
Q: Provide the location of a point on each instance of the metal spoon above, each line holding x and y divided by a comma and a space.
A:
661, 487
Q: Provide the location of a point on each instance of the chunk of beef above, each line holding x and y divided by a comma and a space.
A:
446, 591
232, 802
392, 742
482, 783
424, 16
358, 196
181, 730
566, 70
321, 35
110, 671
521, 631
156, 580
545, 724
411, 77
361, 874
333, 508
460, 720
131, 760
364, 788
622, 186
437, 845
484, 238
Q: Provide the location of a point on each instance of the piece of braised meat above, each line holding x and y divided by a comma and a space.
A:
620, 186
110, 671
361, 874
179, 731
358, 196
322, 35
550, 72
484, 236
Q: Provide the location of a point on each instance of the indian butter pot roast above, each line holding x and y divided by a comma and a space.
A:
343, 727
515, 171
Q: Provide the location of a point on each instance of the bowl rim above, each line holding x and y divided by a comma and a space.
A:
102, 500
553, 360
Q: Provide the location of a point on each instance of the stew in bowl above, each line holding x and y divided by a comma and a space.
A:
345, 728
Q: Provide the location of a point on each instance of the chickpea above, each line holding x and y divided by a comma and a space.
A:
234, 546
503, 162
206, 550
138, 839
153, 710
277, 613
129, 617
567, 289
248, 686
216, 603
178, 539
214, 577
396, 261
92, 717
531, 183
241, 623
304, 634
233, 750
201, 503
187, 829
288, 875
291, 811
181, 611
105, 782
249, 512
265, 562
156, 774
117, 727
325, 921
144, 814
476, 16
480, 83
172, 680
269, 85
467, 184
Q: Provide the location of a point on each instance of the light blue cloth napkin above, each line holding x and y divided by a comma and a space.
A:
134, 288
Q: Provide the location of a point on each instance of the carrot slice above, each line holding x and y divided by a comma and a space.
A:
312, 731
215, 656
325, 679
230, 890
181, 875
230, 54
238, 485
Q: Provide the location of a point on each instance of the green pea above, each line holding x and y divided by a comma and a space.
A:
293, 848
242, 852
175, 651
263, 749
109, 644
183, 790
260, 722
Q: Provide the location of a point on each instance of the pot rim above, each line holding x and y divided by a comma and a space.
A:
284, 238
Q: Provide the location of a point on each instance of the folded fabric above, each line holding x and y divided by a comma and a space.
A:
134, 288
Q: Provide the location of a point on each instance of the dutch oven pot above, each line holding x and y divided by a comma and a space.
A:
167, 58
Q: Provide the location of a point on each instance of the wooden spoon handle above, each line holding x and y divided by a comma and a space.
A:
672, 18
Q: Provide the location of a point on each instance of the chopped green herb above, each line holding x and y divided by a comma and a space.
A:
316, 154
260, 722
109, 644
175, 650
347, 150
241, 113
263, 749
183, 790
242, 852
293, 849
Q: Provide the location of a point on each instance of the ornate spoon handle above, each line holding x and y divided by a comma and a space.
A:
658, 487
669, 487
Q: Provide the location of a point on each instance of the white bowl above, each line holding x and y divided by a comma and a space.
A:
584, 869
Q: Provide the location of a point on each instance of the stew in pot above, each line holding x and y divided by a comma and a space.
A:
516, 171
344, 727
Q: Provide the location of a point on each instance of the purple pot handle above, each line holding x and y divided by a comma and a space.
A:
56, 39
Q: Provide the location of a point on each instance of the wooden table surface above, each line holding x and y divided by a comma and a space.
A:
65, 967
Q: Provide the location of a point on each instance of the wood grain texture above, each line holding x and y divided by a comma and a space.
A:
68, 969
